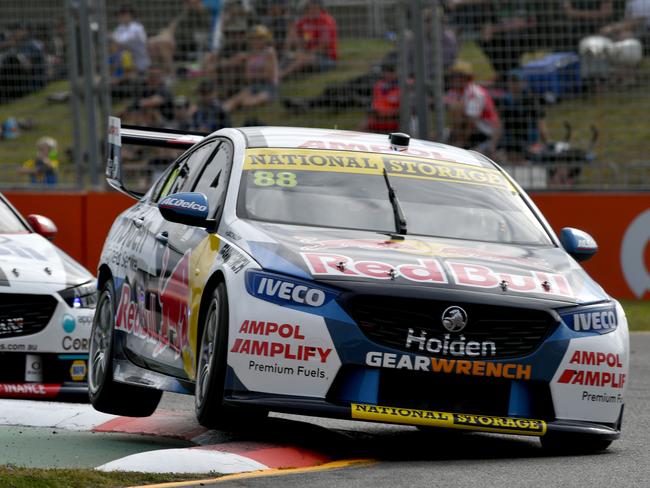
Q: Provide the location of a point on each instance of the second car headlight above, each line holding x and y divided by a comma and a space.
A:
81, 296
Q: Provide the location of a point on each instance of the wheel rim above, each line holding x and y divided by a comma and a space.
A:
100, 342
206, 355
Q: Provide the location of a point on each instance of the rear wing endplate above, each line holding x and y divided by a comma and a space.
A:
119, 134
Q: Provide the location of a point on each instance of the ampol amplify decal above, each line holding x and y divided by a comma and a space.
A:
483, 423
449, 366
590, 382
286, 352
470, 275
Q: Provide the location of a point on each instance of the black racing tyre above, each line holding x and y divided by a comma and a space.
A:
573, 443
107, 395
211, 371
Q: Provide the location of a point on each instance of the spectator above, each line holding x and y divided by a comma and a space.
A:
584, 18
260, 73
209, 115
312, 41
384, 113
635, 24
44, 169
183, 112
131, 36
155, 104
475, 122
523, 118
22, 64
274, 16
184, 38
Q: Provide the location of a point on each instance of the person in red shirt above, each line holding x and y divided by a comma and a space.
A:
475, 122
384, 112
311, 44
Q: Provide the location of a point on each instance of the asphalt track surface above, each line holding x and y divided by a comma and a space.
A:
407, 457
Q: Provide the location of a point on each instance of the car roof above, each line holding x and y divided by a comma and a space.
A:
342, 140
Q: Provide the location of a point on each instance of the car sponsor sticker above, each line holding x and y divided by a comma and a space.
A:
447, 345
483, 423
29, 390
78, 370
284, 291
289, 160
449, 366
593, 319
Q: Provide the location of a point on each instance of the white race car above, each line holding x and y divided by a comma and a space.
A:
47, 302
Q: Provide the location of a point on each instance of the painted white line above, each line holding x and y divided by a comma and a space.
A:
71, 416
183, 461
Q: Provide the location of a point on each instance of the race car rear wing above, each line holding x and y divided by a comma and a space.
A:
119, 134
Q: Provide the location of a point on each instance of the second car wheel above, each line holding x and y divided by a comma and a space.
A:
211, 370
107, 395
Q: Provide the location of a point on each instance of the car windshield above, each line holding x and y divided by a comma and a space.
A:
349, 190
9, 222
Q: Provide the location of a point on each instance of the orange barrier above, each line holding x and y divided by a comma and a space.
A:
620, 223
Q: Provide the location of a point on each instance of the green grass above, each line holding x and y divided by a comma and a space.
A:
11, 477
638, 314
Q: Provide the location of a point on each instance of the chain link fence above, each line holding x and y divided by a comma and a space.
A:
553, 90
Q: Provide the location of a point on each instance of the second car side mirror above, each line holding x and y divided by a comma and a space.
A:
43, 226
187, 208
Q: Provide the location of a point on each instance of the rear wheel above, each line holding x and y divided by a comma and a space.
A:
106, 395
573, 443
211, 370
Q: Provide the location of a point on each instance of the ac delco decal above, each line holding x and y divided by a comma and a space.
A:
449, 366
483, 423
578, 375
272, 348
374, 164
431, 271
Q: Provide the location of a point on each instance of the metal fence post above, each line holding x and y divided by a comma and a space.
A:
421, 103
438, 88
403, 67
88, 68
72, 17
105, 91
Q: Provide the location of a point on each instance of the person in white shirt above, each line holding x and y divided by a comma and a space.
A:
130, 35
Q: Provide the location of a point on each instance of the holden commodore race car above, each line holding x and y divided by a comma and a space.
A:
47, 305
355, 276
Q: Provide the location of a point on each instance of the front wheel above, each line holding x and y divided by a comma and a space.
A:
107, 395
211, 370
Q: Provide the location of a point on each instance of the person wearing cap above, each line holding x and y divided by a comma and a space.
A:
131, 36
311, 43
474, 120
261, 72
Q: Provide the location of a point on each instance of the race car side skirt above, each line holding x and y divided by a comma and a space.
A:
473, 422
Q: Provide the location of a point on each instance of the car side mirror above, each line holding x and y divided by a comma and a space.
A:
186, 208
43, 226
578, 243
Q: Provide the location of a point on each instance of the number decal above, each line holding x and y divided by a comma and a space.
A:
285, 179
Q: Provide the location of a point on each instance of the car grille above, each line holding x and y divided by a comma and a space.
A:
24, 314
501, 332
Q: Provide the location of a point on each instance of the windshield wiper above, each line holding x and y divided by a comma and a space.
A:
400, 220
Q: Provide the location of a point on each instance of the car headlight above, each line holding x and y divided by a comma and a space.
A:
81, 296
600, 318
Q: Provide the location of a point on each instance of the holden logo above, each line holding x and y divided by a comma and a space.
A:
454, 319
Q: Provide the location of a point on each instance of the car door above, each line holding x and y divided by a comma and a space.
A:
155, 344
209, 169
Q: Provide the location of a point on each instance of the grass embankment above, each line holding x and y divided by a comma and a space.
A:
638, 314
619, 114
11, 477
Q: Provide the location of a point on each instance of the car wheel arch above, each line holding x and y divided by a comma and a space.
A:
212, 283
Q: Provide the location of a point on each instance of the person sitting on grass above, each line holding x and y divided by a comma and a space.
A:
44, 168
311, 44
475, 122
384, 113
209, 114
260, 73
